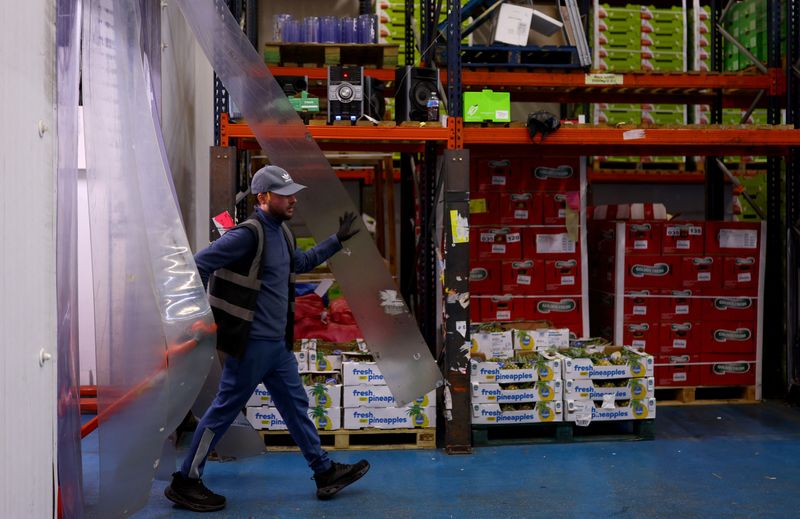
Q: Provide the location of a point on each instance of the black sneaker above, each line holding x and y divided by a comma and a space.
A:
193, 494
339, 476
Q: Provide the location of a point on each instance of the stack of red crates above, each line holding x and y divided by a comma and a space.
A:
686, 292
523, 264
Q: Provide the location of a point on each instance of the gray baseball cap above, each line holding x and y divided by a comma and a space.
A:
272, 179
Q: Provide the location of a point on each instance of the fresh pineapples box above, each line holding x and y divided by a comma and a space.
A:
606, 362
389, 417
608, 410
527, 367
317, 361
265, 417
516, 393
618, 388
541, 339
379, 396
358, 373
498, 345
533, 412
319, 394
302, 360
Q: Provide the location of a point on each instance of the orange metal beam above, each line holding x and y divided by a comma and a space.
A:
321, 73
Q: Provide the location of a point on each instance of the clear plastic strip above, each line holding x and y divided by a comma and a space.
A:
153, 322
70, 475
389, 330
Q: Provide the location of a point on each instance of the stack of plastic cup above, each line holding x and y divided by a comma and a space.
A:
329, 31
291, 31
310, 29
349, 32
367, 28
278, 22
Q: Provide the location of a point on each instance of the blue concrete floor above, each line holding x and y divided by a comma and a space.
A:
736, 461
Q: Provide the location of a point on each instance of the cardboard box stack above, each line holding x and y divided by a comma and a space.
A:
688, 293
527, 253
746, 21
346, 390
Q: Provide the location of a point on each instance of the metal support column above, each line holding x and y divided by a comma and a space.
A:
714, 177
774, 367
408, 275
427, 26
426, 267
457, 412
793, 200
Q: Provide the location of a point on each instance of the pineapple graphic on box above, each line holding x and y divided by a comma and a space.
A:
321, 419
546, 414
637, 388
319, 394
639, 409
544, 370
417, 414
636, 366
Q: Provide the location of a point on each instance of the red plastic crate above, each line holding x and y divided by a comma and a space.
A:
562, 275
740, 275
522, 277
727, 370
651, 272
557, 309
676, 373
643, 238
497, 243
681, 338
733, 238
492, 203
643, 335
519, 209
549, 242
551, 173
729, 337
501, 174
641, 305
554, 208
680, 306
731, 308
702, 274
485, 277
504, 309
683, 238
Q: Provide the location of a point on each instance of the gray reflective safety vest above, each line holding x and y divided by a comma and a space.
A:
233, 293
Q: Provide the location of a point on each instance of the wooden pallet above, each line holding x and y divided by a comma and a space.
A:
363, 439
706, 395
506, 57
562, 432
378, 55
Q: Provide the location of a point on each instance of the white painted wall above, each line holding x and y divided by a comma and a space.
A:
27, 258
187, 119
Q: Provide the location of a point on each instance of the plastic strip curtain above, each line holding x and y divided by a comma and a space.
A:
153, 323
389, 329
70, 475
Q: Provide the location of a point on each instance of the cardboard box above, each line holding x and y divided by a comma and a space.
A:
554, 208
492, 345
485, 277
269, 418
513, 24
502, 243
319, 395
302, 360
728, 370
740, 274
496, 394
673, 371
558, 310
733, 238
358, 373
643, 238
519, 209
680, 307
584, 368
547, 370
496, 175
651, 272
389, 417
504, 309
634, 388
319, 362
730, 337
541, 340
484, 207
702, 274
562, 275
683, 238
379, 396
730, 309
523, 277
640, 305
681, 338
487, 105
551, 174
641, 335
542, 412
636, 410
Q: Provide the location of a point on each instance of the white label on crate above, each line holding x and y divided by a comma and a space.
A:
679, 343
639, 343
523, 280
673, 231
682, 244
631, 135
583, 413
501, 114
695, 230
513, 237
639, 310
704, 276
738, 239
499, 248
679, 376
744, 277
498, 180
521, 214
562, 213
640, 244
567, 280
487, 237
503, 315
681, 309
554, 244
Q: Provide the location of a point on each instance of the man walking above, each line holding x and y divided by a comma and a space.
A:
249, 272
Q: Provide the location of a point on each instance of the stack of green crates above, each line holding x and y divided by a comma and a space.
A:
391, 27
617, 38
746, 21
663, 39
664, 114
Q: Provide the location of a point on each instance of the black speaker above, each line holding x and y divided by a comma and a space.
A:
374, 98
413, 87
345, 93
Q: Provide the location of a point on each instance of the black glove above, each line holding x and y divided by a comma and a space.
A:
346, 230
543, 122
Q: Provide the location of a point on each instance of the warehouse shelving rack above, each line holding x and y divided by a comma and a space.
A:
774, 88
